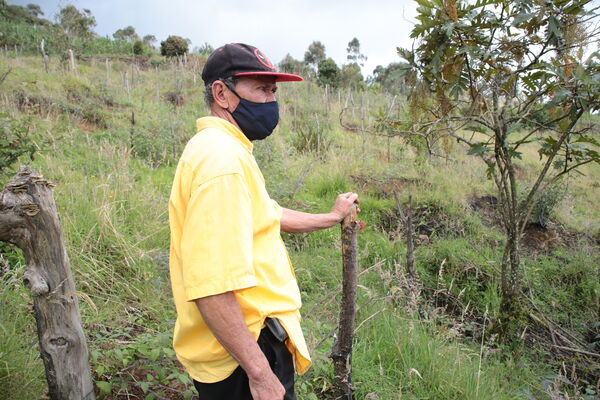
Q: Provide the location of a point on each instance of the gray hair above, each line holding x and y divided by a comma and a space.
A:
230, 82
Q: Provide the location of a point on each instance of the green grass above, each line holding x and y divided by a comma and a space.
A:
21, 369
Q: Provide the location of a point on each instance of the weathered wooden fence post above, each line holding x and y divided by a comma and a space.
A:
29, 220
72, 65
107, 71
44, 55
342, 348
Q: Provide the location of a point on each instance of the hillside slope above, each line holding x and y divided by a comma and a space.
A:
109, 138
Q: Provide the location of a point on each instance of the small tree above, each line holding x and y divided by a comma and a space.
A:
328, 73
29, 14
128, 34
350, 75
149, 40
291, 65
206, 49
34, 10
138, 48
508, 74
76, 23
354, 54
315, 54
174, 46
392, 78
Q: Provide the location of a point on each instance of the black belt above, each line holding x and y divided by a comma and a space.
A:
276, 329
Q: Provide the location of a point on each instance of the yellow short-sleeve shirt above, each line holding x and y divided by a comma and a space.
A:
225, 236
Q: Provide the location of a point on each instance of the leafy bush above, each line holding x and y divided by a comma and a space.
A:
95, 116
310, 137
15, 141
174, 46
138, 48
458, 274
546, 203
328, 73
144, 365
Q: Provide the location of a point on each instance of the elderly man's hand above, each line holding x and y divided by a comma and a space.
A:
343, 205
266, 386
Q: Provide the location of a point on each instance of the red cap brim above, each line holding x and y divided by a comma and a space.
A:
280, 76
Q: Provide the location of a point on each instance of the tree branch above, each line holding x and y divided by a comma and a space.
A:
527, 203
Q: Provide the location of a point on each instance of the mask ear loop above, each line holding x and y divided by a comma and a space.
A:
232, 90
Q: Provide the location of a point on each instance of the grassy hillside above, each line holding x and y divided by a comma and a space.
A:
109, 138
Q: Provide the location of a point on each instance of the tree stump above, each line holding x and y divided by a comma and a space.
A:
342, 348
29, 220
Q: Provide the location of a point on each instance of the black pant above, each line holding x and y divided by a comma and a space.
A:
235, 387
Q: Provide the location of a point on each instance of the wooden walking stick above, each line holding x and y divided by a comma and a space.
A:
29, 220
342, 348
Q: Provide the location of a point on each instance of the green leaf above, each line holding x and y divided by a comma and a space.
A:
546, 146
449, 28
185, 378
408, 55
154, 354
144, 386
425, 3
521, 17
559, 164
588, 139
554, 26
515, 153
478, 149
476, 128
105, 387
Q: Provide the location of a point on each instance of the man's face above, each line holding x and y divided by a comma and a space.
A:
259, 89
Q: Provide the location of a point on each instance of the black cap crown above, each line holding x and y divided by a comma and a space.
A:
238, 59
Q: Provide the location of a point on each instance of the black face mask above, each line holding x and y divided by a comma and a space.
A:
256, 120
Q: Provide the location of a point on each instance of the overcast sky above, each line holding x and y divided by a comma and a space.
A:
277, 27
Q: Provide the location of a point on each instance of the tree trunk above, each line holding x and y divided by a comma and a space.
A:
410, 246
406, 224
510, 267
342, 348
29, 220
512, 319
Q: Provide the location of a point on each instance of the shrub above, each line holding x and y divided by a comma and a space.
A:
546, 204
174, 46
138, 48
15, 141
328, 73
311, 137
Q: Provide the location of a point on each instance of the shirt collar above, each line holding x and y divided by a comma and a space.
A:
226, 126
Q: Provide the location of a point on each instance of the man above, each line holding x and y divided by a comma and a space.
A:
238, 323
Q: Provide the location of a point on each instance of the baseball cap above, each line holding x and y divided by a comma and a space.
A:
238, 59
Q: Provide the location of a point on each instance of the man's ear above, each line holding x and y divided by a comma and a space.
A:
219, 94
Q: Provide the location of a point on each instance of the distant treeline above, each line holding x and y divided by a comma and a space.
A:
22, 30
